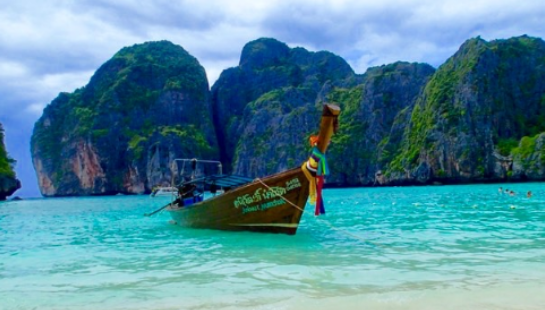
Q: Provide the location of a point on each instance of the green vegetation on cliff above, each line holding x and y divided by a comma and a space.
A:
265, 107
370, 124
146, 96
6, 163
351, 131
271, 128
8, 183
440, 105
483, 100
479, 117
193, 140
531, 152
526, 147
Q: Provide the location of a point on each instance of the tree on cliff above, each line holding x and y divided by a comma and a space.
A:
6, 163
8, 182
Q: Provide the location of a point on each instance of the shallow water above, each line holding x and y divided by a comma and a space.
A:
448, 247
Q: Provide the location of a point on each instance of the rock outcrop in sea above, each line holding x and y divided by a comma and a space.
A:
479, 117
144, 107
8, 180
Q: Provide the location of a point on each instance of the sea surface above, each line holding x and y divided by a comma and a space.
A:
433, 247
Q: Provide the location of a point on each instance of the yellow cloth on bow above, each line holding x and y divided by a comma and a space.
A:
311, 185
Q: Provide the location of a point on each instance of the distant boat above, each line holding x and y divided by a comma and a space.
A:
164, 191
273, 204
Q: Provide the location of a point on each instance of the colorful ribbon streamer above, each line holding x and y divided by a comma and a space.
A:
316, 183
319, 209
319, 157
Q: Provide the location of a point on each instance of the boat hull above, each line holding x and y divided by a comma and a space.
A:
273, 204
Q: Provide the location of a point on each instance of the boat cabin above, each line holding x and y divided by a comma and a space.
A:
201, 179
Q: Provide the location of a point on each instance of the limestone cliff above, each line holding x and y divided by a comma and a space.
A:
373, 119
479, 117
8, 181
265, 108
120, 133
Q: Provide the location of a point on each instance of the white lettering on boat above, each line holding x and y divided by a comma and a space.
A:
247, 201
293, 184
263, 206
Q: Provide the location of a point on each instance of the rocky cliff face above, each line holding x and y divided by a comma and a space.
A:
8, 181
143, 108
479, 117
373, 119
265, 108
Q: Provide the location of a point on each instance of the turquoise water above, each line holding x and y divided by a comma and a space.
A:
448, 247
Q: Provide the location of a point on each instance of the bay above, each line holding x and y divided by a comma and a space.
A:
429, 247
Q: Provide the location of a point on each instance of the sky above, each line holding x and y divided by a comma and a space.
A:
50, 46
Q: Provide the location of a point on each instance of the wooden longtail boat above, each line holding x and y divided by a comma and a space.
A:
273, 204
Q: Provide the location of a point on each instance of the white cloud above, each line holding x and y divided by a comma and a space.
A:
12, 70
50, 84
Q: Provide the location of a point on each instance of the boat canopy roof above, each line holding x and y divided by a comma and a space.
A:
222, 180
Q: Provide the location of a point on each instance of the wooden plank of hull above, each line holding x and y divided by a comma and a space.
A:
251, 207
